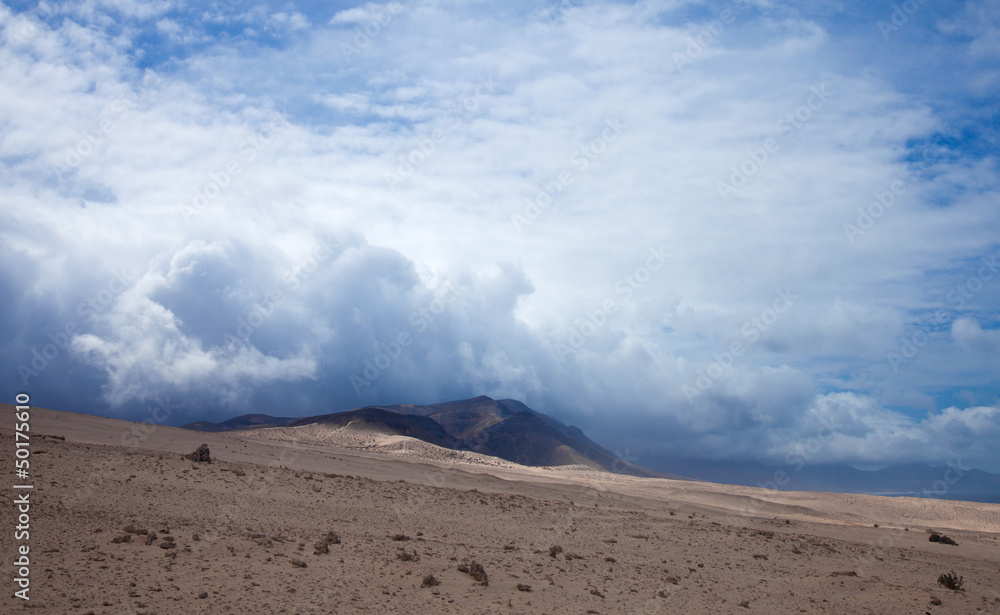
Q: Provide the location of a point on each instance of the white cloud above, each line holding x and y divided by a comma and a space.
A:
970, 335
369, 13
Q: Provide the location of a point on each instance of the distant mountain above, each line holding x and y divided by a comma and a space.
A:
246, 421
511, 430
918, 480
412, 425
507, 429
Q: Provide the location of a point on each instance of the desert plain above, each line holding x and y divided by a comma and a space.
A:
344, 520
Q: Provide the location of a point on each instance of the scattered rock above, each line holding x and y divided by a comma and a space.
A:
555, 550
848, 573
934, 537
203, 595
745, 604
259, 538
331, 538
945, 540
476, 571
200, 455
952, 581
521, 587
167, 544
150, 537
596, 592
430, 581
400, 537
935, 601
129, 529
122, 538
297, 563
406, 556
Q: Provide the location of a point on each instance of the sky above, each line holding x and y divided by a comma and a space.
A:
723, 230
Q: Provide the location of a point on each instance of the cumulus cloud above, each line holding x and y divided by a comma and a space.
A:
968, 333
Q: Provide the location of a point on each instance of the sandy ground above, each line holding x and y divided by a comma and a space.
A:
250, 533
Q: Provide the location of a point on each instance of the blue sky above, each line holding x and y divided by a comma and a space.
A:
701, 228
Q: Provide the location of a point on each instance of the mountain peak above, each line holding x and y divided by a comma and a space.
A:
507, 429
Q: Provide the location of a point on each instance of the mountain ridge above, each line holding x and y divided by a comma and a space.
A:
507, 429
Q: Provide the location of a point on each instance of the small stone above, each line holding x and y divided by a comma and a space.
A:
331, 538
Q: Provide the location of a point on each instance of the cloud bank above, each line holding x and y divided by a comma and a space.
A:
707, 229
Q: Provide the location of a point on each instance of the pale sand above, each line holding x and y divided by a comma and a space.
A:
777, 552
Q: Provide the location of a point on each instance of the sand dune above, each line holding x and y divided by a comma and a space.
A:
583, 541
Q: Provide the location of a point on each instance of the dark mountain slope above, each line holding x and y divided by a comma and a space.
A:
411, 425
246, 421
